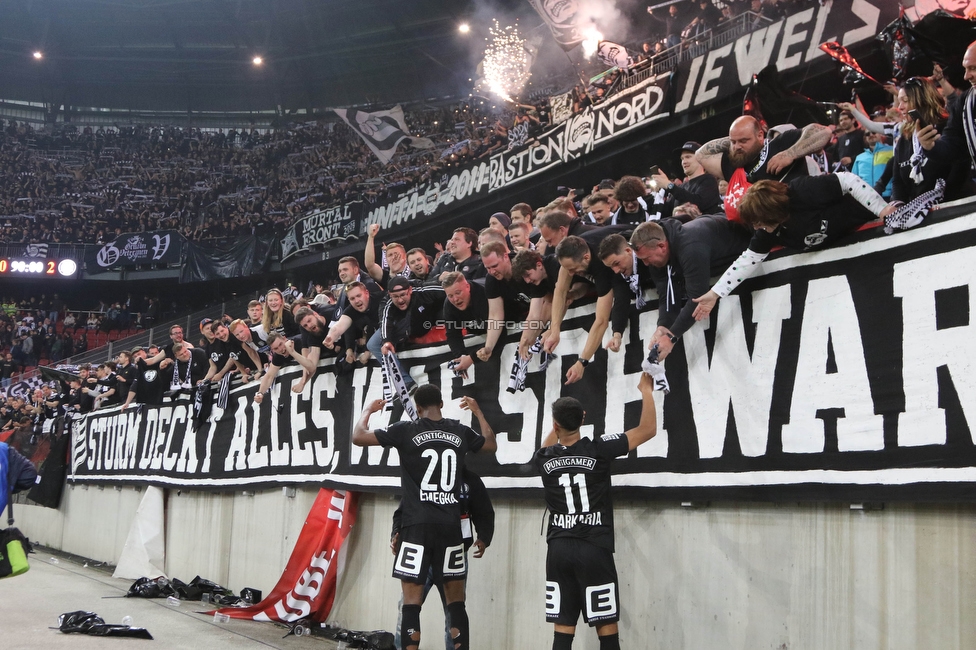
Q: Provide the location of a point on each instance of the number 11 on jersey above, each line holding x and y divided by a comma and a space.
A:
567, 483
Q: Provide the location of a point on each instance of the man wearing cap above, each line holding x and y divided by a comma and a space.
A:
206, 328
410, 312
500, 222
698, 187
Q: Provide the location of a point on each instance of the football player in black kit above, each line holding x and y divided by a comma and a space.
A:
432, 451
580, 572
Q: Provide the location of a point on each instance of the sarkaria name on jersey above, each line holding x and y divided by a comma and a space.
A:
437, 436
440, 498
563, 462
570, 521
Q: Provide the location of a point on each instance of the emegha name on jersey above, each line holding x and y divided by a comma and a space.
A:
440, 498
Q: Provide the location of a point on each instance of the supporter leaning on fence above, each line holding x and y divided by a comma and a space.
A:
807, 213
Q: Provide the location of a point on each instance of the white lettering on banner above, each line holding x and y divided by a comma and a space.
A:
656, 447
368, 386
336, 506
685, 102
927, 347
280, 452
323, 385
562, 143
235, 458
640, 109
297, 604
713, 72
869, 14
793, 37
833, 357
732, 377
187, 461
511, 451
180, 416
816, 389
257, 457
753, 52
152, 430
818, 37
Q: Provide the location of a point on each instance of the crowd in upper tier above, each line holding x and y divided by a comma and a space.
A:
82, 185
738, 196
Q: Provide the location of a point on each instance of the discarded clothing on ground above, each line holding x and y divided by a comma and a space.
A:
164, 588
91, 623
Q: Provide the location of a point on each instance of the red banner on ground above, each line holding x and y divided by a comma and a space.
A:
308, 585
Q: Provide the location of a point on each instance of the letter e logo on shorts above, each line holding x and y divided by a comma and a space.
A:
552, 598
601, 601
454, 561
410, 558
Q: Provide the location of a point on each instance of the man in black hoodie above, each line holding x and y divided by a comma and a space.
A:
682, 259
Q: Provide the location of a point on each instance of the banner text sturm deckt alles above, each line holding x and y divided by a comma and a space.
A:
841, 373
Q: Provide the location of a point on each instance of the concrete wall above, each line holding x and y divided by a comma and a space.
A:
728, 576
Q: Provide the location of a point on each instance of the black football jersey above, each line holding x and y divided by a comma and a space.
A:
431, 459
577, 485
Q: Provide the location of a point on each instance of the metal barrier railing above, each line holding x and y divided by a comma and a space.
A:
695, 46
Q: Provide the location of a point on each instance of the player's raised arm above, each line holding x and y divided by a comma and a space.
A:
647, 428
362, 435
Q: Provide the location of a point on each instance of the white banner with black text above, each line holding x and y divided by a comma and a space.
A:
841, 374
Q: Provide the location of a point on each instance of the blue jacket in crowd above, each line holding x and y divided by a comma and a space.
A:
870, 165
16, 473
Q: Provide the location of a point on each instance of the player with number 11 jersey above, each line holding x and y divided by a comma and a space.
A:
581, 577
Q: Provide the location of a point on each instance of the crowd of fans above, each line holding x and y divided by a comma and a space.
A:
737, 197
69, 184
77, 184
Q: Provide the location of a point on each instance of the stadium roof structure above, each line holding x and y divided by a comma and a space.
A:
196, 55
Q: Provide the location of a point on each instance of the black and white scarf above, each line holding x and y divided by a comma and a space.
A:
917, 160
520, 368
912, 213
223, 392
634, 281
392, 376
181, 382
653, 367
669, 298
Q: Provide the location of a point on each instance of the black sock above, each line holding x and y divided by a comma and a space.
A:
562, 641
610, 642
459, 621
410, 625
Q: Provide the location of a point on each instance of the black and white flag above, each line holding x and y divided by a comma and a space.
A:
382, 131
36, 250
561, 16
614, 55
